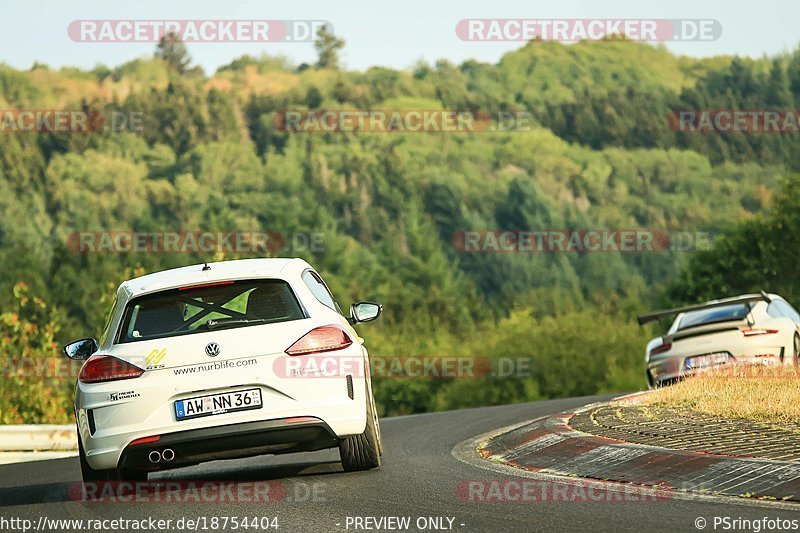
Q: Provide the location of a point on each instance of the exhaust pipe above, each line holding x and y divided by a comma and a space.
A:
168, 454
154, 456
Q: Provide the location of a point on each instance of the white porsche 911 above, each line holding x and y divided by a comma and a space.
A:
192, 366
753, 329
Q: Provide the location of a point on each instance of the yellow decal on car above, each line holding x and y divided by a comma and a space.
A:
154, 358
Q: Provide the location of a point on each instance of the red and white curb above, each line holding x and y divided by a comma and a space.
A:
551, 446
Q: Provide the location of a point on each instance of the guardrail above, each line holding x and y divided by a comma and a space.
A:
35, 437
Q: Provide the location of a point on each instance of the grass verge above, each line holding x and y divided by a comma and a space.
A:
753, 393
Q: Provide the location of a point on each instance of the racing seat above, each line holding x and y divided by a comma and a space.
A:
272, 302
158, 318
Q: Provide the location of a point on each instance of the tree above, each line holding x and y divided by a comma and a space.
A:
34, 378
313, 98
328, 47
794, 75
778, 94
173, 51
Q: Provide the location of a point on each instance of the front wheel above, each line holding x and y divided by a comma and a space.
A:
363, 452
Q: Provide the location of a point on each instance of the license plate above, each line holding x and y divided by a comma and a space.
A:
705, 361
217, 404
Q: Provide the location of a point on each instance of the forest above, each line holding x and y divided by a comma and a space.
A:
205, 154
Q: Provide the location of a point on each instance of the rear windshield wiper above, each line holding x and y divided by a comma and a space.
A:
225, 322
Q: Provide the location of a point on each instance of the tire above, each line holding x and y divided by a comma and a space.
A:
377, 427
363, 452
375, 415
90, 475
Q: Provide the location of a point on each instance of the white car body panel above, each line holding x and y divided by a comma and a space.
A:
130, 409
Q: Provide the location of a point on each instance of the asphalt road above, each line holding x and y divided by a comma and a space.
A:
419, 479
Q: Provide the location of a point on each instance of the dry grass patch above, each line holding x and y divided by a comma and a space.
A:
754, 393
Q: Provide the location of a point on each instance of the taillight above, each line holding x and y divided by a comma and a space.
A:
758, 331
321, 339
300, 419
667, 346
146, 440
99, 368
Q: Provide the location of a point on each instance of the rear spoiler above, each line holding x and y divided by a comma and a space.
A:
747, 298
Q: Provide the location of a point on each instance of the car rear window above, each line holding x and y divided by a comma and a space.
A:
224, 305
716, 314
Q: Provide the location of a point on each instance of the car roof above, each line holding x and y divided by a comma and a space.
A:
219, 271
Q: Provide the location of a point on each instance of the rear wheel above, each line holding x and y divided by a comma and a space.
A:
375, 415
363, 452
377, 427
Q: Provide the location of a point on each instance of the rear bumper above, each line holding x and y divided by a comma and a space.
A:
108, 423
667, 369
229, 442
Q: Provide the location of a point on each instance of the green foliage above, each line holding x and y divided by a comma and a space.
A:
328, 47
752, 256
599, 155
35, 380
172, 51
575, 353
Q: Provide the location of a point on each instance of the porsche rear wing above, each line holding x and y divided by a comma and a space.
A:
747, 298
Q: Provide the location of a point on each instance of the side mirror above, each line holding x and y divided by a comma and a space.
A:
364, 312
81, 349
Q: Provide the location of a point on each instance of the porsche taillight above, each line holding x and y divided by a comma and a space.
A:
321, 339
100, 368
661, 348
752, 332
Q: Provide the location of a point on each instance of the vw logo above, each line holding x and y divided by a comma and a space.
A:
212, 349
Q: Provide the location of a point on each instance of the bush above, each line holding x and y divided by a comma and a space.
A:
35, 379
